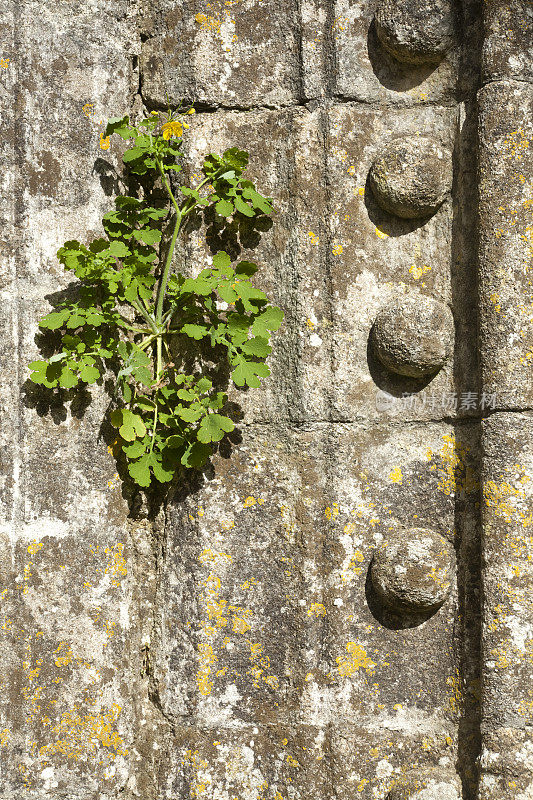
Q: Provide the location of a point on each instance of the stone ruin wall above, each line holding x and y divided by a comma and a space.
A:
233, 645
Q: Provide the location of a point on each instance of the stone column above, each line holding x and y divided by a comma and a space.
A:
506, 349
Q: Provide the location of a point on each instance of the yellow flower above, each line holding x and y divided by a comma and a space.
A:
172, 128
191, 111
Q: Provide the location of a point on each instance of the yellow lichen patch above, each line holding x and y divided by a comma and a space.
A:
381, 234
4, 737
198, 766
456, 698
79, 735
206, 660
241, 625
64, 655
34, 547
396, 475
336, 248
315, 240
332, 511
249, 501
316, 610
104, 142
357, 659
260, 667
210, 555
455, 475
418, 271
116, 566
506, 497
516, 144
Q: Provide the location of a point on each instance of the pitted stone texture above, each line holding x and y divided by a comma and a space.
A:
416, 32
413, 336
366, 71
507, 571
412, 571
238, 54
375, 257
429, 784
287, 164
508, 44
412, 176
505, 242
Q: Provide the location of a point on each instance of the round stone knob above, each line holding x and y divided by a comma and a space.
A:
426, 784
416, 31
413, 336
411, 176
412, 571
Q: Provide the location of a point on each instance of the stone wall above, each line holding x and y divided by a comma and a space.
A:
339, 606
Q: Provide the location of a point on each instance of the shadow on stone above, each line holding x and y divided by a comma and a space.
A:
388, 617
391, 73
389, 224
387, 381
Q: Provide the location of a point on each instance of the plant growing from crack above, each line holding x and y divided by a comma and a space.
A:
132, 307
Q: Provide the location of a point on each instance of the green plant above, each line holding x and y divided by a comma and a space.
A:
131, 308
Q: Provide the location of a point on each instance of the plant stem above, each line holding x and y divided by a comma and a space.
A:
166, 272
138, 307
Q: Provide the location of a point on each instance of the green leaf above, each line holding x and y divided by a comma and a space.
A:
119, 250
140, 471
191, 413
204, 385
270, 320
213, 427
161, 474
89, 374
54, 319
196, 455
197, 286
221, 260
132, 425
135, 450
68, 379
227, 292
258, 346
224, 208
118, 125
134, 153
150, 235
247, 373
257, 200
195, 331
243, 207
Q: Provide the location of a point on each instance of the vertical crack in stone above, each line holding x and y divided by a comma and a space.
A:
466, 379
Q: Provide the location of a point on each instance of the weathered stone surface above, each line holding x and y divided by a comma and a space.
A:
365, 71
508, 43
376, 259
412, 570
287, 161
505, 168
433, 784
263, 618
411, 177
413, 336
233, 645
238, 54
507, 591
414, 32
